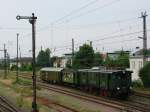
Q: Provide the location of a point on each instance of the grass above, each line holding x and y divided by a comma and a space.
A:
143, 90
138, 86
22, 95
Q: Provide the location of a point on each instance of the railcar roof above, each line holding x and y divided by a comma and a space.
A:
102, 71
51, 69
82, 70
106, 71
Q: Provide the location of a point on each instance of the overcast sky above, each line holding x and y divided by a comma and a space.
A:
108, 23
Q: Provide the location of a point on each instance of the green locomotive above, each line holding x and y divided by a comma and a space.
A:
110, 83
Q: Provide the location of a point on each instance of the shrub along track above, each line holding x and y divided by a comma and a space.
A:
127, 106
6, 106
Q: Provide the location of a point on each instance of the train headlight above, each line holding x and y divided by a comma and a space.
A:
130, 87
118, 88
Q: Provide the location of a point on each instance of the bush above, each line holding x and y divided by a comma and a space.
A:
137, 84
145, 75
26, 67
13, 67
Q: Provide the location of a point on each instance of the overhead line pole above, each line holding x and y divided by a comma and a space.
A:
8, 62
72, 50
17, 79
5, 66
143, 16
20, 54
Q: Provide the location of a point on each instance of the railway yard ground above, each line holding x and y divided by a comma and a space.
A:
53, 98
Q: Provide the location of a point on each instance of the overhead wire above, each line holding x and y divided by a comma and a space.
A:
75, 11
14, 28
112, 37
109, 37
69, 14
89, 11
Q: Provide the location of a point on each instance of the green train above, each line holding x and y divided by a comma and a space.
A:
109, 83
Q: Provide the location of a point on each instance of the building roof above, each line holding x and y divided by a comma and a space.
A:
51, 69
103, 71
140, 52
22, 59
118, 52
138, 57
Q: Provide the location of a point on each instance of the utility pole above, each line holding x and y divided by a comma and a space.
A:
20, 54
72, 50
5, 66
91, 43
143, 16
32, 20
17, 79
8, 62
52, 36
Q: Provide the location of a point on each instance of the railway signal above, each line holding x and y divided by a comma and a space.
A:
32, 20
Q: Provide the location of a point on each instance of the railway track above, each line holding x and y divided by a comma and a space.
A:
6, 106
125, 106
141, 94
58, 107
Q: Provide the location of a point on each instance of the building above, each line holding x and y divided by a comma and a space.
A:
58, 62
62, 61
114, 55
21, 61
136, 63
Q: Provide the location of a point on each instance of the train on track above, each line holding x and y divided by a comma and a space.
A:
108, 83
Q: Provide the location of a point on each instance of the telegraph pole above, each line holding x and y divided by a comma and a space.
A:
32, 20
72, 50
5, 66
8, 62
143, 16
20, 54
17, 79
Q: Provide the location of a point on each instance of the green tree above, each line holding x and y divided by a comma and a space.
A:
26, 67
53, 59
43, 58
97, 59
84, 58
109, 62
123, 60
47, 56
145, 75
